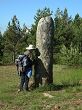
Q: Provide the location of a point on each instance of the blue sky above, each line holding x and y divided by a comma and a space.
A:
25, 10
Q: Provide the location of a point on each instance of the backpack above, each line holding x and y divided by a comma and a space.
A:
19, 64
28, 65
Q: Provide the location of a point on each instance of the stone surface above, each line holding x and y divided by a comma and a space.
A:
44, 44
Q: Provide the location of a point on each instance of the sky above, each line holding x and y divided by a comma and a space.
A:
25, 10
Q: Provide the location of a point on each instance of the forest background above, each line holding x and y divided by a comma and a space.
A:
67, 39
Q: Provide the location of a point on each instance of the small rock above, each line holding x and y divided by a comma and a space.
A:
48, 95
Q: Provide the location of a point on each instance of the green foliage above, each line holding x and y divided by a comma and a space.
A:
63, 33
42, 13
67, 31
70, 56
12, 36
39, 14
1, 47
77, 27
7, 58
67, 75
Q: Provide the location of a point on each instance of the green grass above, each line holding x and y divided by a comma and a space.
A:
67, 75
66, 91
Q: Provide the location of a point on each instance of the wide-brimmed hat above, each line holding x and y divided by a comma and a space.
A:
30, 47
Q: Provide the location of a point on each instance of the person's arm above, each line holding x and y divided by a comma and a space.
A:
24, 64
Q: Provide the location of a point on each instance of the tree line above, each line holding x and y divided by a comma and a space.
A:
67, 39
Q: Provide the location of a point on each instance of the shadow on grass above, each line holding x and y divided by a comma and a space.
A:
53, 87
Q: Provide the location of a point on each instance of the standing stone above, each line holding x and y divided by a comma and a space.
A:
44, 44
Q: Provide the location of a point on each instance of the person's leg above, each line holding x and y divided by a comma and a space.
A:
36, 82
26, 82
22, 81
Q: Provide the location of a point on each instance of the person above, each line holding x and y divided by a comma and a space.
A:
26, 68
37, 72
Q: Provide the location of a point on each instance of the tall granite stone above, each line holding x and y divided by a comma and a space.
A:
44, 44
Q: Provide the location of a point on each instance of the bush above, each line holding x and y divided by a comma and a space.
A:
7, 59
70, 56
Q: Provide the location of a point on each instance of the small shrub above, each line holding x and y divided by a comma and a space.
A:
70, 56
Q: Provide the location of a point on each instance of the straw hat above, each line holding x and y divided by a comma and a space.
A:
30, 47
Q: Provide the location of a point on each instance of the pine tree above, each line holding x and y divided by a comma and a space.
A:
12, 36
1, 48
39, 14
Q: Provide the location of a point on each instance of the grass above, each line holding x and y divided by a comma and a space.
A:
66, 91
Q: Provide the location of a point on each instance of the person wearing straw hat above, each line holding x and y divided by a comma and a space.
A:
26, 68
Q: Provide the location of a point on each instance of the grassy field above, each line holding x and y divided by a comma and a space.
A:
64, 94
